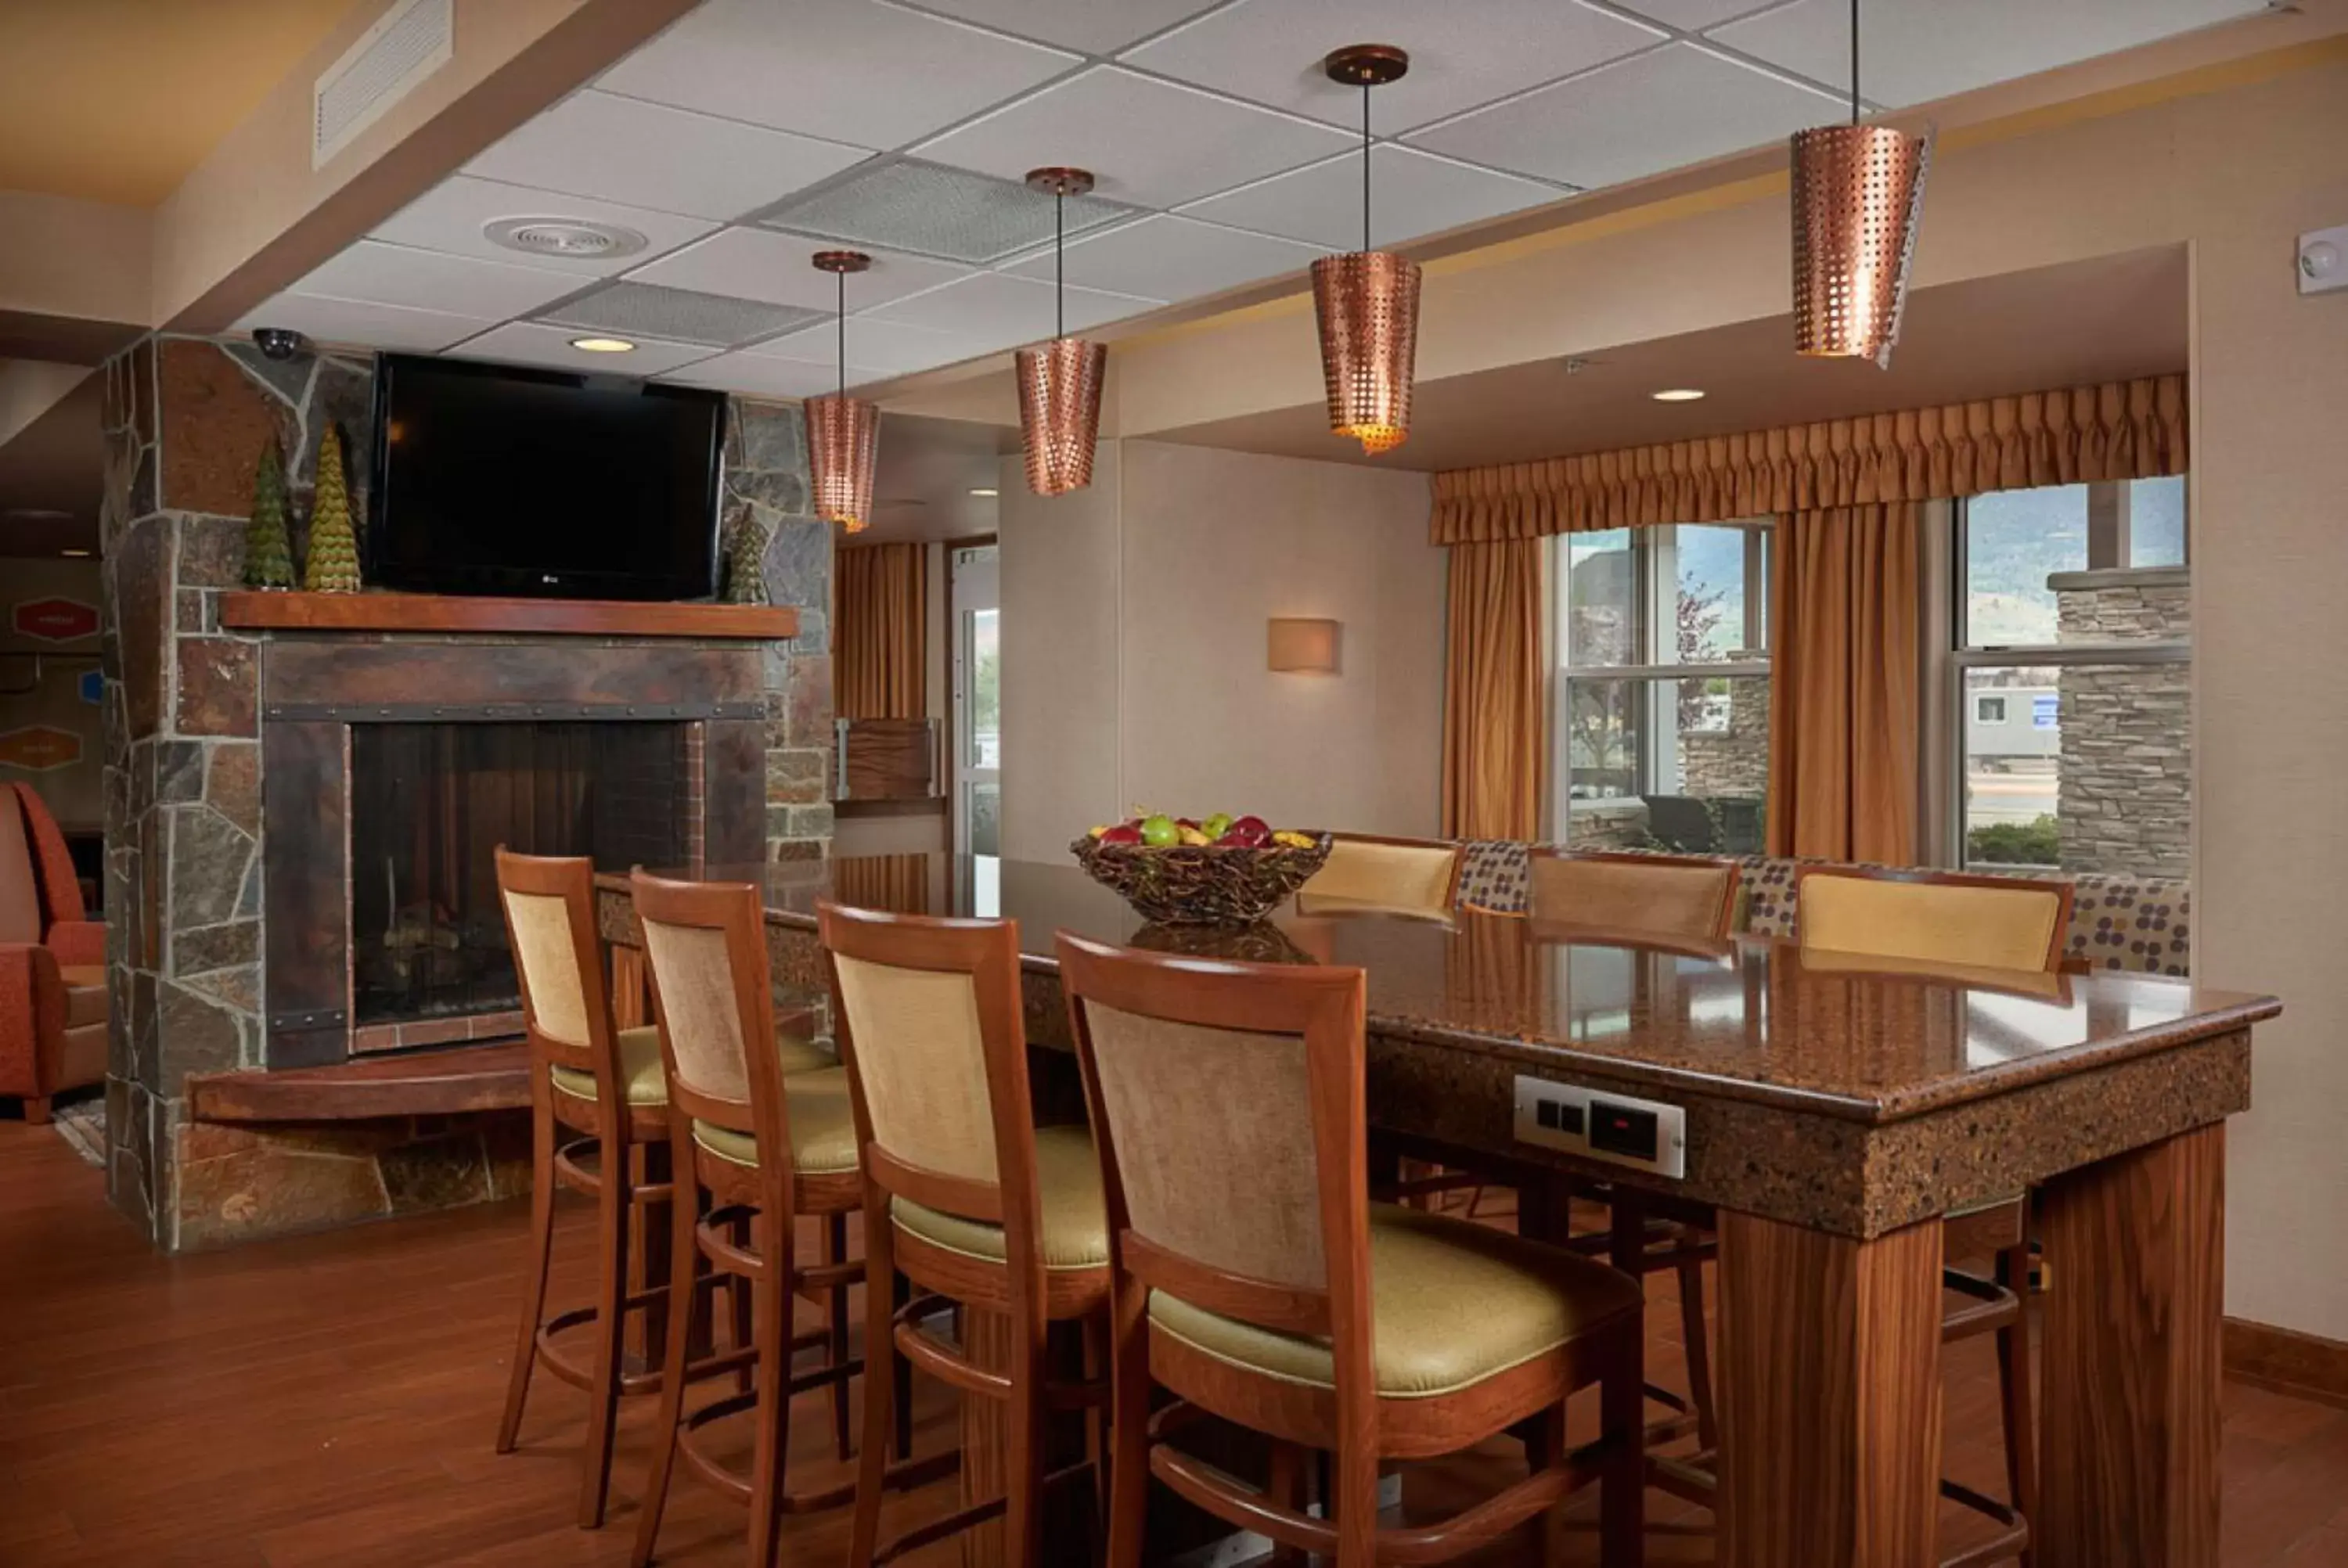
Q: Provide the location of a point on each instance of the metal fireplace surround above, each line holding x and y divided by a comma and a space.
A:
315, 689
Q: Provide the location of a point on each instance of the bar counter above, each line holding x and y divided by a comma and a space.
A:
1836, 1108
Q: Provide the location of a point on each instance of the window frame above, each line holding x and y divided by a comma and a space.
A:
1654, 605
2108, 547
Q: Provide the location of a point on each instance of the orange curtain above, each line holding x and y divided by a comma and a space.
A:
2121, 430
1492, 694
1843, 726
880, 638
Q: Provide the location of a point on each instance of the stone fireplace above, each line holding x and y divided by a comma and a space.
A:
298, 818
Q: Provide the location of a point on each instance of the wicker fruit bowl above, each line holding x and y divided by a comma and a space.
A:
1202, 885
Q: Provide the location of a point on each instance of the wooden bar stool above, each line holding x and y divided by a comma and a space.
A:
1252, 1276
605, 1086
730, 1110
984, 1209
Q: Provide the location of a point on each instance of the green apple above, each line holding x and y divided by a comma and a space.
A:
1159, 830
1216, 825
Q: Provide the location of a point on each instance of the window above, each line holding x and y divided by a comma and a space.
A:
1662, 686
2073, 661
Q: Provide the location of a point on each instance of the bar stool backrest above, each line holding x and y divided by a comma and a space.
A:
1411, 876
1228, 1105
705, 953
1944, 917
1669, 894
549, 912
930, 1028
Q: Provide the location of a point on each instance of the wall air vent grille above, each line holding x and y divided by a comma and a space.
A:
677, 316
410, 42
928, 210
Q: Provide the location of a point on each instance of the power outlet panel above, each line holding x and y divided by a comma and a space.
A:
1646, 1134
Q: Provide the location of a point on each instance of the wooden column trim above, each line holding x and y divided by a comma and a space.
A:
2132, 1349
1830, 1390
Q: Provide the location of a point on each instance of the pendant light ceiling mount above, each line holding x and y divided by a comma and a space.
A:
1365, 303
843, 432
1858, 196
1060, 381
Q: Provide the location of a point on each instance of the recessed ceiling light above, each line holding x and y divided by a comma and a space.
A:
986, 490
603, 346
1677, 395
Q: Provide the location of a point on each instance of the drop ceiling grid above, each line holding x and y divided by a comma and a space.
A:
1255, 155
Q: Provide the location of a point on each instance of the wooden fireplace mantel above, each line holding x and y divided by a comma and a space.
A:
255, 609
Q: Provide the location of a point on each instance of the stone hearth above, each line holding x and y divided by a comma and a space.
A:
200, 898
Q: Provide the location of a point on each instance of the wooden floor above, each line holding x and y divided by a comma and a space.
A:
332, 1400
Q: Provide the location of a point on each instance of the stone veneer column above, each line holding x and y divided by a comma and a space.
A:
186, 419
2125, 799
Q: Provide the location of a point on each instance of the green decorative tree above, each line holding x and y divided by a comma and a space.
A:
746, 562
268, 554
332, 564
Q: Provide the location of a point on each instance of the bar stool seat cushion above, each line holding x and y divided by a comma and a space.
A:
1075, 1215
1453, 1304
823, 1127
646, 1084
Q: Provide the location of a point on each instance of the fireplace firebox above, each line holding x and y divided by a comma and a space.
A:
430, 803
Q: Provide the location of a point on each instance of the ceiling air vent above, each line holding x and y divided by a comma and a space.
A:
411, 41
570, 237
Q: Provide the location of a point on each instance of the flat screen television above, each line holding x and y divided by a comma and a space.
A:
495, 480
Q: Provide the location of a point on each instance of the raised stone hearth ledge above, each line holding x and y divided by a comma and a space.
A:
261, 611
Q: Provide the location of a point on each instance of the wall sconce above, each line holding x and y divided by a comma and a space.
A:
1302, 647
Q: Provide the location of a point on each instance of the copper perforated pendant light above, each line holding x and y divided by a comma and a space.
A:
1060, 381
1366, 304
843, 432
1859, 192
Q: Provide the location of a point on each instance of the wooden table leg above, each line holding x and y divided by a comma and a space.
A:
986, 1435
1829, 1392
2128, 1469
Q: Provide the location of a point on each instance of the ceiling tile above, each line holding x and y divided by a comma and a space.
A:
1171, 257
650, 155
1692, 16
1411, 194
450, 217
991, 310
929, 210
428, 281
1148, 143
881, 348
761, 264
1916, 50
1095, 27
526, 343
1675, 106
361, 325
875, 74
754, 375
1270, 51
630, 310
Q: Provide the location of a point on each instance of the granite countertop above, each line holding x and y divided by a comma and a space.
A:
1829, 1034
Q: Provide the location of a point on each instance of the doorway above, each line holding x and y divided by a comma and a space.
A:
976, 607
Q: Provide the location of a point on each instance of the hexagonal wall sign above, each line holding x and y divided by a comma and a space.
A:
39, 748
54, 620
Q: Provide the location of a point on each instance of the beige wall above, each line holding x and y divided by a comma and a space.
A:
1134, 623
2233, 163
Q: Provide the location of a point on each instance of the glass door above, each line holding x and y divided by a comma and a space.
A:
977, 703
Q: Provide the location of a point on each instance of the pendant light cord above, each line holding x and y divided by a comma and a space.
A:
1854, 62
842, 279
1060, 264
1365, 166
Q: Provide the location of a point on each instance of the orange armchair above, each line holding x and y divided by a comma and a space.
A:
52, 962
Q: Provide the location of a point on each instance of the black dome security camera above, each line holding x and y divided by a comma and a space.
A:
277, 343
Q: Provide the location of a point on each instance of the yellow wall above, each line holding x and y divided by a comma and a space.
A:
1134, 627
2233, 164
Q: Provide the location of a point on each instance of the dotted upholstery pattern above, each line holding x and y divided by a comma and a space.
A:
2134, 925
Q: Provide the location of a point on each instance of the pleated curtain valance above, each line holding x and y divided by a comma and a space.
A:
2119, 430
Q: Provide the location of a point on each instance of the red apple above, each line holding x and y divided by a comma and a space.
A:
1237, 836
1123, 832
1251, 825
